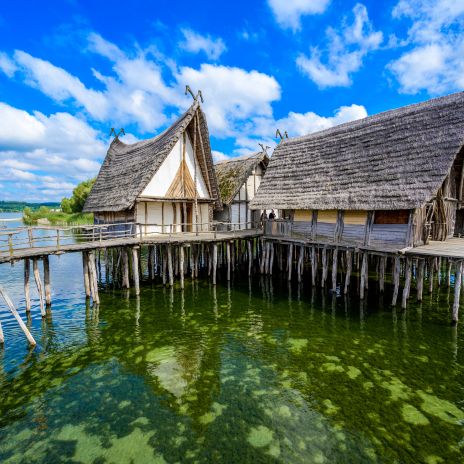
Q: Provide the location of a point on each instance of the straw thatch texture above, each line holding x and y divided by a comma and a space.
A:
393, 160
128, 169
232, 174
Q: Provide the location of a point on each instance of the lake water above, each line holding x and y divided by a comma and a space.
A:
254, 371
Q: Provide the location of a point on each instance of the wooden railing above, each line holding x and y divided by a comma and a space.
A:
15, 240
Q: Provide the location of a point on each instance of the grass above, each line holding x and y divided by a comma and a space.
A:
31, 217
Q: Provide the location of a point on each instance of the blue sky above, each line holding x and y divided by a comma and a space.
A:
71, 70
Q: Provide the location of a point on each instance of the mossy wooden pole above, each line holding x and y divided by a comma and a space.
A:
27, 287
382, 274
457, 292
38, 282
215, 259
93, 278
349, 265
150, 264
250, 257
13, 310
300, 263
85, 268
228, 259
125, 269
262, 263
290, 261
396, 279
181, 265
334, 269
48, 290
448, 273
407, 283
420, 279
431, 269
271, 258
135, 270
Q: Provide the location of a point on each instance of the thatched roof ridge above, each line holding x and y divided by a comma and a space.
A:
128, 168
231, 174
393, 160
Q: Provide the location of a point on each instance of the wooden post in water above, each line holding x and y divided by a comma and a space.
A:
2, 338
27, 288
396, 279
125, 269
431, 269
334, 269
93, 278
135, 270
457, 292
364, 273
349, 264
215, 259
313, 265
85, 267
170, 267
181, 265
48, 291
420, 278
290, 261
250, 257
382, 274
11, 307
271, 259
448, 273
38, 282
407, 283
324, 266
300, 263
228, 259
262, 264
151, 262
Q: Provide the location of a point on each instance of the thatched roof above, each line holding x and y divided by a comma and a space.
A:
393, 160
233, 173
128, 168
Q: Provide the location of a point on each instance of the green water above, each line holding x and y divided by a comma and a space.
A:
255, 372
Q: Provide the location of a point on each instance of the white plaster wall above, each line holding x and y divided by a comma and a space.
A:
162, 180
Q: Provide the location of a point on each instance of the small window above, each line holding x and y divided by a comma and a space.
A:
399, 216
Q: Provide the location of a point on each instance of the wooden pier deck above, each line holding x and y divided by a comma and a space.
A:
185, 238
452, 248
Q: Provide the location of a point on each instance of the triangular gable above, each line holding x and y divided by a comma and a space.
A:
183, 186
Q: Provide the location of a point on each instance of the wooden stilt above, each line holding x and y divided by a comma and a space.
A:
313, 265
27, 288
262, 264
181, 265
300, 263
382, 274
407, 283
420, 279
170, 268
228, 259
438, 264
2, 337
324, 266
48, 292
448, 273
125, 269
215, 260
457, 292
164, 266
38, 282
271, 258
93, 278
349, 265
431, 269
135, 270
13, 310
290, 261
250, 257
150, 264
396, 279
364, 272
85, 266
334, 269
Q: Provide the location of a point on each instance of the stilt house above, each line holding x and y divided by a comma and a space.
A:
392, 180
166, 183
238, 181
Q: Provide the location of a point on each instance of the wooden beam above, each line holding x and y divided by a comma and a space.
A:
457, 292
27, 288
38, 282
48, 292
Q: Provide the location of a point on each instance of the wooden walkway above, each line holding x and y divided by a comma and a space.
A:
452, 248
174, 238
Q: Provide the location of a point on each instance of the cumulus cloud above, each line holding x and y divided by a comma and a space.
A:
194, 42
345, 52
288, 13
7, 65
432, 60
40, 153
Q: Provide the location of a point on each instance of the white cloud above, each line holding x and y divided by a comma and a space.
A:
194, 42
218, 156
232, 95
345, 52
288, 13
7, 65
42, 154
435, 41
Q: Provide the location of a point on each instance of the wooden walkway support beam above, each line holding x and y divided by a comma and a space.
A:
457, 292
420, 279
135, 269
85, 268
215, 259
27, 286
396, 279
349, 264
181, 265
334, 269
48, 290
38, 282
407, 283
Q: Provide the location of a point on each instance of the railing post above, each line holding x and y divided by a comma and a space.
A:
57, 239
100, 235
31, 237
141, 231
10, 244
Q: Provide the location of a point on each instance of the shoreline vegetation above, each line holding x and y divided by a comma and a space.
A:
47, 216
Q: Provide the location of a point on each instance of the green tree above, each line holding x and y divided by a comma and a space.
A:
75, 204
